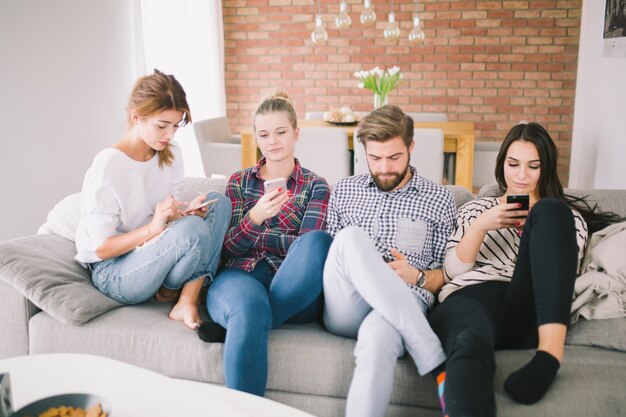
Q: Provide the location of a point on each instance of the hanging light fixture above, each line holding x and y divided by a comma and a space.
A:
416, 35
368, 17
319, 35
392, 31
343, 20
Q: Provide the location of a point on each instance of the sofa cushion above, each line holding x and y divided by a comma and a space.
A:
305, 360
605, 333
461, 194
42, 268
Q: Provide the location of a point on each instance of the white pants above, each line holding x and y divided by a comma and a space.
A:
365, 297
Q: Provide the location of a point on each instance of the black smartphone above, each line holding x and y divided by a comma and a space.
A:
522, 199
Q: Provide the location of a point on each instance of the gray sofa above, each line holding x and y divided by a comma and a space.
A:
47, 304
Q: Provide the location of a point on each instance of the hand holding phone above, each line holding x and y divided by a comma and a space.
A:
275, 184
522, 199
271, 203
203, 204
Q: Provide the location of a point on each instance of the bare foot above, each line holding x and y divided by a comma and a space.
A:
187, 313
166, 295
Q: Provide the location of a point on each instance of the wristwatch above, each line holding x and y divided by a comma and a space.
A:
421, 278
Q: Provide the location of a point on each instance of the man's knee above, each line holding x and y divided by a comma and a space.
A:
350, 235
349, 241
378, 342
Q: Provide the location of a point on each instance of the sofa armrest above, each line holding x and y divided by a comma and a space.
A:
16, 311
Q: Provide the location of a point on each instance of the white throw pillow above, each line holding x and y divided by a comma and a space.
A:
63, 219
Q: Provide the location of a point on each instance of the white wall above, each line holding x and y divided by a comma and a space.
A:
67, 67
599, 137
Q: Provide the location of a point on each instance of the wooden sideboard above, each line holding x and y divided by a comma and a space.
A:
458, 139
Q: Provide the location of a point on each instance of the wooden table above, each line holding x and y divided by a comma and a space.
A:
458, 139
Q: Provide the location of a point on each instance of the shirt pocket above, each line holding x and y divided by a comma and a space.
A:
411, 235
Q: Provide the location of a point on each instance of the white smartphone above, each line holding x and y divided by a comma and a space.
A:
276, 183
203, 204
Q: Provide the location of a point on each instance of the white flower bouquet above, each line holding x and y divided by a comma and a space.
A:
380, 82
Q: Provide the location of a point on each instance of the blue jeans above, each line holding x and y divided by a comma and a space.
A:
189, 249
250, 304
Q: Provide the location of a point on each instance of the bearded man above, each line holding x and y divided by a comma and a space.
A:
390, 229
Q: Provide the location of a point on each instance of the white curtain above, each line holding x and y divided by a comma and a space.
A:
186, 38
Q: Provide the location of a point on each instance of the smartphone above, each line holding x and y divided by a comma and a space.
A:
203, 204
522, 199
276, 183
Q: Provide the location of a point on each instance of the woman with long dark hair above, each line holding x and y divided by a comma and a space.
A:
510, 277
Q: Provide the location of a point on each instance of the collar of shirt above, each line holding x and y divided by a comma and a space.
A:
296, 174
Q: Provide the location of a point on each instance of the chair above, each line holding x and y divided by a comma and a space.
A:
427, 155
325, 152
314, 115
485, 154
219, 148
449, 159
428, 117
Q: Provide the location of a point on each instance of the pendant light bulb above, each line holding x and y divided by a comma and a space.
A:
319, 35
392, 31
343, 20
416, 35
368, 17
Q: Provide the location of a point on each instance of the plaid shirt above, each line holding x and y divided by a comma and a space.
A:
245, 243
416, 219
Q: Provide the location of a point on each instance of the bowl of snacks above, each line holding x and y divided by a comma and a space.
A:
342, 116
66, 405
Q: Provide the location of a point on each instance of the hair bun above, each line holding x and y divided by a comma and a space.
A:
281, 94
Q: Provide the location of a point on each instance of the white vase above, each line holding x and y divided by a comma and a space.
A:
379, 101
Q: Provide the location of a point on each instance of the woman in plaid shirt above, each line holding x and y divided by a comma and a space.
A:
274, 250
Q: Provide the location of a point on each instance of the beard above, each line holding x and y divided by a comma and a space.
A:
389, 184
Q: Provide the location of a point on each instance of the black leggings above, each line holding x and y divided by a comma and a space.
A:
478, 319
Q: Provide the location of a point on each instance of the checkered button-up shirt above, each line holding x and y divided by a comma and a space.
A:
245, 243
416, 219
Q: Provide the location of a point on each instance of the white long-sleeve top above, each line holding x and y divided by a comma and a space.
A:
120, 194
497, 255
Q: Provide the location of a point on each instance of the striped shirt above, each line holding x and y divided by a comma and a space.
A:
245, 243
416, 219
498, 253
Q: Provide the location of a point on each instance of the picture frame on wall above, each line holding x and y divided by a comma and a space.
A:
614, 36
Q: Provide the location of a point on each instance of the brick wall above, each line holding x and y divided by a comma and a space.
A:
490, 62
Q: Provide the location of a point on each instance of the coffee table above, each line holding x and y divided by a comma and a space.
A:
131, 391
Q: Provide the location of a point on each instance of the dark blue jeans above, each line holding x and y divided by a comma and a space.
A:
476, 320
250, 304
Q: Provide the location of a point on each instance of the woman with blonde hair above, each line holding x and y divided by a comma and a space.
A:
134, 234
274, 250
